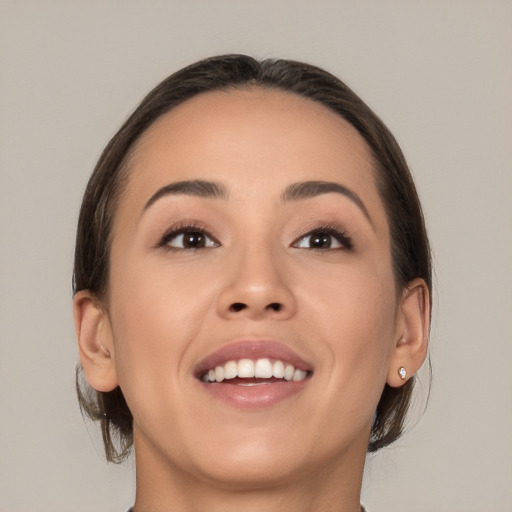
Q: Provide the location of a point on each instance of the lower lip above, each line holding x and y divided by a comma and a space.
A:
255, 396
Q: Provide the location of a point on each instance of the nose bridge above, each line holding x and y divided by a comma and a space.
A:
257, 284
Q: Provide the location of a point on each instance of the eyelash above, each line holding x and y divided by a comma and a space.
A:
182, 230
334, 231
339, 234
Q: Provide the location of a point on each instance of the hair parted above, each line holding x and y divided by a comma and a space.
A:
409, 242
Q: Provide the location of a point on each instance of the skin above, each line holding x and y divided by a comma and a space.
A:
168, 309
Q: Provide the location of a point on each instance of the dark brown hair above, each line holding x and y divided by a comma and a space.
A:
409, 242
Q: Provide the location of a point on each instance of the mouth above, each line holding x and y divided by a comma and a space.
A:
253, 373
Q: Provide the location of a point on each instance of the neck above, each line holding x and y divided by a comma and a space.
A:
164, 487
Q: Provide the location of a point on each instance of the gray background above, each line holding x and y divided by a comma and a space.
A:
438, 72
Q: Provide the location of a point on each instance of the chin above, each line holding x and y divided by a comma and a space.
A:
249, 470
250, 459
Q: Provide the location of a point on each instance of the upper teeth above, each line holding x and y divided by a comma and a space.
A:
260, 369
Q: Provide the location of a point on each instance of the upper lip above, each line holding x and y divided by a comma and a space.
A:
252, 349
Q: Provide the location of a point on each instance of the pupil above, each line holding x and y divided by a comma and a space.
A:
194, 239
321, 240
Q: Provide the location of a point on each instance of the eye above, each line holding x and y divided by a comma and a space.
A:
190, 238
324, 238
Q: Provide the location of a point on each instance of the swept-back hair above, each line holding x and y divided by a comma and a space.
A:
409, 242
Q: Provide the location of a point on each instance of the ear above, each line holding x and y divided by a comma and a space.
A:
95, 341
413, 324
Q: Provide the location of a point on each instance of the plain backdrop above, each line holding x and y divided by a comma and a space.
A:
439, 74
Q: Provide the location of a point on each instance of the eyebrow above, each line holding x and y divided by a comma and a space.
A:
198, 188
294, 192
308, 189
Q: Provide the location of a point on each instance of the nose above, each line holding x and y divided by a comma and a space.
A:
256, 288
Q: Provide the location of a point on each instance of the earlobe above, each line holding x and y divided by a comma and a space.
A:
95, 342
411, 345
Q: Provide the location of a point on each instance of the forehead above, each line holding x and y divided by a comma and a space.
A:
253, 139
253, 113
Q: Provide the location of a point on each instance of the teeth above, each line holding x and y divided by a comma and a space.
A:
219, 374
245, 368
288, 372
299, 375
260, 369
278, 370
263, 369
230, 370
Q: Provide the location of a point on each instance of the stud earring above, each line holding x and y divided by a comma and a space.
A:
402, 372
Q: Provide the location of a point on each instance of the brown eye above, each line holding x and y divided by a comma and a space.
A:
319, 241
324, 239
193, 240
185, 239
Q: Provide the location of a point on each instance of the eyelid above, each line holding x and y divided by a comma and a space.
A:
184, 227
329, 229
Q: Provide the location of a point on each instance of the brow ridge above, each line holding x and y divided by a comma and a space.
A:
309, 189
198, 188
294, 192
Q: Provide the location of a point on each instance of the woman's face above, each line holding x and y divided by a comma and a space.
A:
251, 238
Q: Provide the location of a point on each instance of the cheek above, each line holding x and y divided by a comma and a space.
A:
148, 314
356, 314
157, 309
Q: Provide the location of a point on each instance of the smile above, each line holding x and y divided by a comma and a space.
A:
265, 369
253, 373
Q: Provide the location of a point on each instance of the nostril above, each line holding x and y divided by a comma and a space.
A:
237, 306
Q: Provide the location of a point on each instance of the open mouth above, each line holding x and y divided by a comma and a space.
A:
248, 372
253, 373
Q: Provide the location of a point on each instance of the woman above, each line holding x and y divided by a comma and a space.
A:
252, 290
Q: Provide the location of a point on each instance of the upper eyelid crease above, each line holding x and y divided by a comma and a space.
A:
309, 189
333, 231
186, 227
